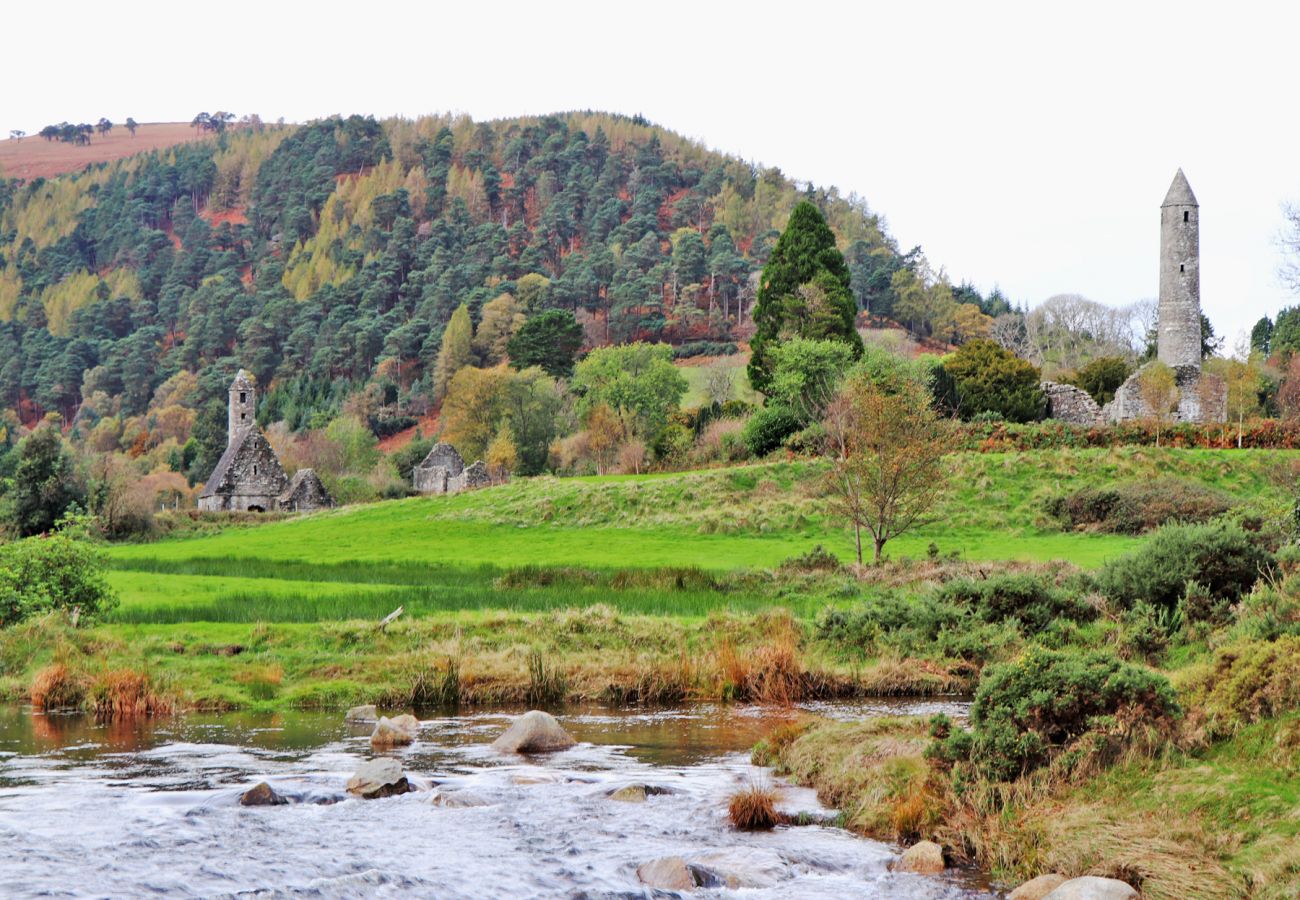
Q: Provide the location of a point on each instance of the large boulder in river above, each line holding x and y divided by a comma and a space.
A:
668, 873
1090, 887
740, 867
361, 715
379, 778
534, 732
395, 732
923, 857
261, 795
1038, 888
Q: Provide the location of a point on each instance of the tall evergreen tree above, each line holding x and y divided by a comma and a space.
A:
804, 254
456, 353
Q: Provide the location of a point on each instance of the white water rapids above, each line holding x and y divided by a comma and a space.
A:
136, 810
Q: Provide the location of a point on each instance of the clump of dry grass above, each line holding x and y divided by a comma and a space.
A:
57, 687
754, 808
128, 694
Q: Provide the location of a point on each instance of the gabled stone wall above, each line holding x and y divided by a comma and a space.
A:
1067, 403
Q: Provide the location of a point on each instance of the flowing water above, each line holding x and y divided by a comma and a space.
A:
152, 808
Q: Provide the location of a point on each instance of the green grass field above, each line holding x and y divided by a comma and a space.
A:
435, 554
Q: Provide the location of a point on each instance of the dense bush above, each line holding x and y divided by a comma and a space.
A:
914, 626
1140, 506
58, 572
768, 428
999, 437
1102, 377
1028, 712
988, 378
1030, 601
1220, 558
705, 348
1249, 681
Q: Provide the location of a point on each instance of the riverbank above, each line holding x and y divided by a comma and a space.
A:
467, 658
1219, 820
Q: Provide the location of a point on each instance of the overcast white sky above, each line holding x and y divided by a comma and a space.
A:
1021, 144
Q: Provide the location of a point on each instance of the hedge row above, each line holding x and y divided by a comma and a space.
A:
1263, 434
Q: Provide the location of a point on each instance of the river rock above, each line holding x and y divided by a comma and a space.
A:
1038, 888
740, 867
923, 857
395, 732
455, 799
261, 795
360, 715
534, 732
379, 778
633, 793
1090, 887
668, 873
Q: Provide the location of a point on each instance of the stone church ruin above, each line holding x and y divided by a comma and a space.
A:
1201, 397
249, 477
444, 472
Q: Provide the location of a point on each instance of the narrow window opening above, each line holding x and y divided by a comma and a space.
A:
1180, 267
243, 397
254, 470
1186, 214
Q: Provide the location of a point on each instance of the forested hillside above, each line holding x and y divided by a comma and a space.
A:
329, 258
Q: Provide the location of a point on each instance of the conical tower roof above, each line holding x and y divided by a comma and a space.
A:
243, 379
1180, 192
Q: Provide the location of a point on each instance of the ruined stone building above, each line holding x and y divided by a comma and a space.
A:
249, 477
1201, 397
443, 471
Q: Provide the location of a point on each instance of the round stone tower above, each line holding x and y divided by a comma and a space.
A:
1178, 314
243, 406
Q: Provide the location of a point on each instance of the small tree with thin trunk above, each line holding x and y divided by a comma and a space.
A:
889, 469
1158, 388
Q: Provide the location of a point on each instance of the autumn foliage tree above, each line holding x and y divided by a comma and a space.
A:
888, 470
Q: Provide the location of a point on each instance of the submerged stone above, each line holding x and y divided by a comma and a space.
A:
362, 714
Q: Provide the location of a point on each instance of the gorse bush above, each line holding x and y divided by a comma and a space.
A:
59, 572
1138, 507
1032, 602
1249, 681
1029, 712
915, 626
1222, 559
768, 428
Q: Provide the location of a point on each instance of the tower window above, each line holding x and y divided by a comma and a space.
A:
255, 470
1180, 267
243, 416
243, 397
1186, 214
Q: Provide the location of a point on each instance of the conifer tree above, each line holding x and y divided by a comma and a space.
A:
804, 254
456, 352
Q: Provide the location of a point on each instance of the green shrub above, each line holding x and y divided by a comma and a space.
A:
768, 428
1031, 711
914, 626
1267, 613
1220, 558
1139, 507
1249, 681
59, 572
988, 378
1102, 377
1030, 601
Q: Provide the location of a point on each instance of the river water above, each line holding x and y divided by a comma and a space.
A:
128, 809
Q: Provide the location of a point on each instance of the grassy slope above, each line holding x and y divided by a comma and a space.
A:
33, 157
1219, 823
454, 560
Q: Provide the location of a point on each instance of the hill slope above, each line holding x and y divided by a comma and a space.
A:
327, 258
32, 157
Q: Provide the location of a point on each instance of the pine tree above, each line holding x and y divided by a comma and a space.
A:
456, 352
805, 253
